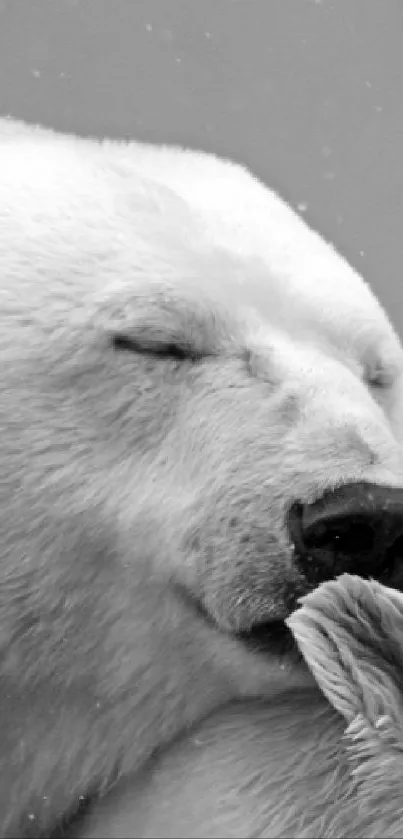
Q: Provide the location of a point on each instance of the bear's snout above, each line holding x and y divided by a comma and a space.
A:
356, 528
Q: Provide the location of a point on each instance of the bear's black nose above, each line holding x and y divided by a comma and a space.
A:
356, 528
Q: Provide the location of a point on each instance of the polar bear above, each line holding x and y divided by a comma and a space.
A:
299, 765
201, 407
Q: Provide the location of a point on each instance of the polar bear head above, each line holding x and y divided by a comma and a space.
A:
287, 444
209, 373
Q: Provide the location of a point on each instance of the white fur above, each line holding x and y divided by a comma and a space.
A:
299, 766
143, 498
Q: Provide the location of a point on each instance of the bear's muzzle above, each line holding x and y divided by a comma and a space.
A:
356, 528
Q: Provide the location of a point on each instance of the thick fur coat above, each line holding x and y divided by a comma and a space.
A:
306, 766
181, 360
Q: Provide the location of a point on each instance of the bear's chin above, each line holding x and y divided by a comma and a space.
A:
267, 637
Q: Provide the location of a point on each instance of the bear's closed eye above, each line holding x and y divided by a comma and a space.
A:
173, 349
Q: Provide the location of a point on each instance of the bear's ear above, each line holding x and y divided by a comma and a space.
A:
350, 632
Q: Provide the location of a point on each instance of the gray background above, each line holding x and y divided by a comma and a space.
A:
308, 93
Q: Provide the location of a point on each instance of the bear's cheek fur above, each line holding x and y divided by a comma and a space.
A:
228, 542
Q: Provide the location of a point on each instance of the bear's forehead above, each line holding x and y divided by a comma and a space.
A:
321, 299
250, 312
289, 281
244, 295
